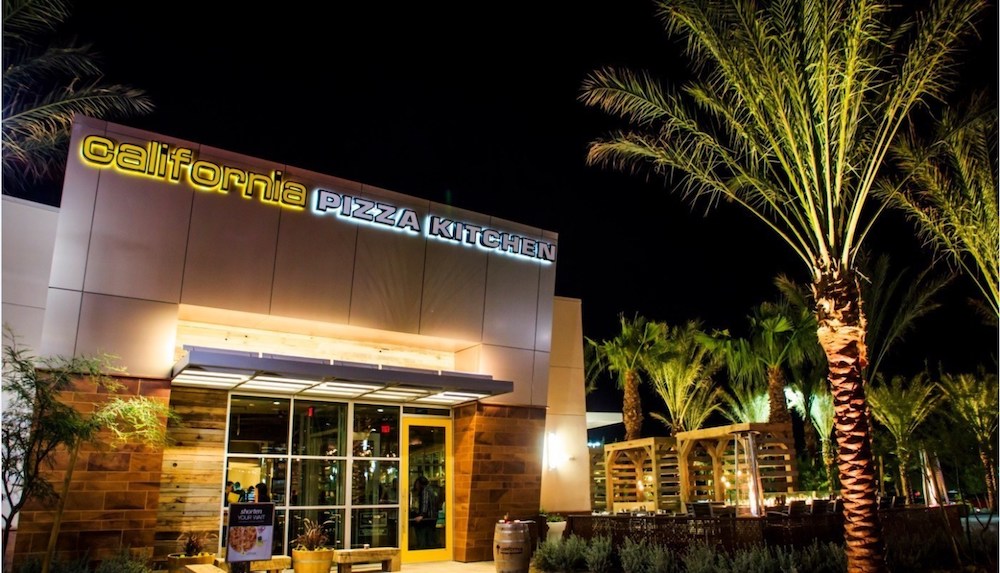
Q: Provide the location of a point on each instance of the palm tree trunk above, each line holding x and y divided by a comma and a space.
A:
776, 396
841, 332
632, 406
811, 438
904, 480
60, 509
991, 478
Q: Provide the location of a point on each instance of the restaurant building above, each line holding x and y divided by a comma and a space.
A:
331, 339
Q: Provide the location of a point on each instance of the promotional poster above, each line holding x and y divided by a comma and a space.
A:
251, 530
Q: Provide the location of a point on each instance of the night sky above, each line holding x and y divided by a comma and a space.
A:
476, 105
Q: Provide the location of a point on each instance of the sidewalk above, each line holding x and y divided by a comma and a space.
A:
447, 567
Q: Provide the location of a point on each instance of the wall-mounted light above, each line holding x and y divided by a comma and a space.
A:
555, 451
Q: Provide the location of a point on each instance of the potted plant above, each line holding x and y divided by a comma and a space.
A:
556, 525
195, 551
310, 553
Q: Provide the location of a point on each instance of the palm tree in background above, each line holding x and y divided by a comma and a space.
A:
949, 190
775, 342
815, 406
682, 377
972, 401
793, 111
625, 356
44, 87
746, 403
901, 406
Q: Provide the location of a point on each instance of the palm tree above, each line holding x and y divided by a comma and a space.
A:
950, 192
746, 403
775, 341
44, 87
626, 356
682, 376
816, 407
901, 406
972, 400
895, 299
796, 108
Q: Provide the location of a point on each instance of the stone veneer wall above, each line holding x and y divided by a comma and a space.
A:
113, 495
498, 471
193, 468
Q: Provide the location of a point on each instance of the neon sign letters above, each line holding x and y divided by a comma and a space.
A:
174, 164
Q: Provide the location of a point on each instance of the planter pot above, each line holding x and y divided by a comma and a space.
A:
315, 561
556, 529
177, 561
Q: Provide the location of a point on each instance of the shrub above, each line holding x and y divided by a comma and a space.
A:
599, 556
312, 537
663, 560
34, 565
123, 562
563, 557
761, 559
635, 556
700, 558
821, 558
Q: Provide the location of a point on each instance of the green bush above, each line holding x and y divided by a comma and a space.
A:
34, 565
821, 558
635, 556
760, 559
123, 562
599, 556
663, 560
700, 558
564, 556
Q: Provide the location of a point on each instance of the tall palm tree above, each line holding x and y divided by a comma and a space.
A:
682, 376
972, 400
950, 192
901, 406
625, 356
44, 86
790, 117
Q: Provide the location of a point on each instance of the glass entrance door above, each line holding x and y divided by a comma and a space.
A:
428, 477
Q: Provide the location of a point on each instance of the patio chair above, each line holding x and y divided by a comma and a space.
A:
820, 507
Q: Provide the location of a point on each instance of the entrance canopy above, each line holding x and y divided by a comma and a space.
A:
314, 377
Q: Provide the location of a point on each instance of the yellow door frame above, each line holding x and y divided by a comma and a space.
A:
424, 555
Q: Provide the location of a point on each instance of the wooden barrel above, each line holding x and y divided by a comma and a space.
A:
512, 547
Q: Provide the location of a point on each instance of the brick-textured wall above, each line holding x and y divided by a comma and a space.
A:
113, 494
193, 469
498, 471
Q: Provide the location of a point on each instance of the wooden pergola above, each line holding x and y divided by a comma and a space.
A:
709, 464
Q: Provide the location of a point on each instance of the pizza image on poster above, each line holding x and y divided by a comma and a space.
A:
251, 530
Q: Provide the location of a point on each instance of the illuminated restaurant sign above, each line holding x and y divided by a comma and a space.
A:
175, 164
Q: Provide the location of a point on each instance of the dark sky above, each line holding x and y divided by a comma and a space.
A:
476, 105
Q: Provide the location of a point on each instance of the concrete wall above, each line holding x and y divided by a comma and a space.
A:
566, 473
29, 234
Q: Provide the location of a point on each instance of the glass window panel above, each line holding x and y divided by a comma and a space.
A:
375, 482
245, 473
332, 521
318, 482
374, 527
376, 431
319, 428
258, 425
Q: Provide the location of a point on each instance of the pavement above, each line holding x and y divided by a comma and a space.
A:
449, 567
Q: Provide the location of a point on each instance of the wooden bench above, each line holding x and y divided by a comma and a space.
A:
276, 564
346, 558
203, 568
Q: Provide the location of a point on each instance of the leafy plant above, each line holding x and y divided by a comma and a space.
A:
123, 562
635, 556
599, 555
312, 537
554, 518
196, 542
563, 557
663, 560
821, 558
